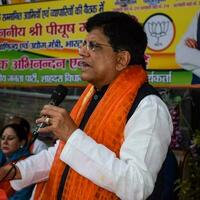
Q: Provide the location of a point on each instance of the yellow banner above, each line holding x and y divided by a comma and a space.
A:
53, 28
165, 21
38, 37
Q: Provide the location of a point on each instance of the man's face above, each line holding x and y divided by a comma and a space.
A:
99, 59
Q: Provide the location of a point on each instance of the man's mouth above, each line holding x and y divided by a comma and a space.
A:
85, 65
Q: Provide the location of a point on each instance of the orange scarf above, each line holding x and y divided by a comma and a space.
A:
3, 195
105, 126
6, 188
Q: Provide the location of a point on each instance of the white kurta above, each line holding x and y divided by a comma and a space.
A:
38, 146
189, 58
133, 174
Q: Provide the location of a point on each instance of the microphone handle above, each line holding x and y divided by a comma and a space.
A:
41, 125
57, 97
35, 132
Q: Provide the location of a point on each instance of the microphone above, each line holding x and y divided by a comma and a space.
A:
58, 95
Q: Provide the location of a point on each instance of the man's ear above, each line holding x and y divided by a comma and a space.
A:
123, 59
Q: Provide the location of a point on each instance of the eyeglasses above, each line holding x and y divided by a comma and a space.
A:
92, 46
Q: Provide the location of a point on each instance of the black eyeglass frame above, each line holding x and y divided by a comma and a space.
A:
92, 45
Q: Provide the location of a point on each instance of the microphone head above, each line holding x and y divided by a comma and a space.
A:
58, 95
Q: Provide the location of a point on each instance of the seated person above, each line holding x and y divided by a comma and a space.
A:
38, 145
13, 148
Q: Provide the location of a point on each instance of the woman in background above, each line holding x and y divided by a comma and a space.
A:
13, 140
38, 145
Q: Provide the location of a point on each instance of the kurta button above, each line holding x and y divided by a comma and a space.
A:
95, 97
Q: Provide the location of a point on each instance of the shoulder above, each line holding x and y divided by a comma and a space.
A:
143, 92
151, 114
150, 108
153, 101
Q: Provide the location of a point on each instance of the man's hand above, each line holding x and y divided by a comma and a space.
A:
191, 43
59, 122
9, 172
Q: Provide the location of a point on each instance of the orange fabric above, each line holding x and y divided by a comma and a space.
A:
5, 185
3, 195
6, 189
105, 126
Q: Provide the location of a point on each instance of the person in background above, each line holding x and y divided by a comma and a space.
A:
38, 145
188, 49
113, 143
188, 56
3, 2
14, 139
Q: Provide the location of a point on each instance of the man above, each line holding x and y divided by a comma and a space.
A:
188, 49
104, 152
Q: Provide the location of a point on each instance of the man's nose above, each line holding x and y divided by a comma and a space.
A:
83, 51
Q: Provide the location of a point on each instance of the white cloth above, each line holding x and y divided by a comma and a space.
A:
189, 58
132, 176
38, 146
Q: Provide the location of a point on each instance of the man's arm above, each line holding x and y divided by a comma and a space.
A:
192, 43
133, 174
9, 171
34, 168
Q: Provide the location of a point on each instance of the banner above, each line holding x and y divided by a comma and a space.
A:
165, 22
39, 41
